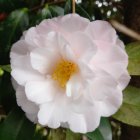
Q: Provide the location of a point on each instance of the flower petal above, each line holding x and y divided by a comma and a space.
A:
82, 46
41, 91
105, 90
22, 70
44, 60
114, 60
74, 86
101, 30
25, 104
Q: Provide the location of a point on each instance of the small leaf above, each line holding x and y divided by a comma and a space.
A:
67, 8
129, 112
82, 12
13, 27
16, 127
133, 50
6, 68
56, 11
72, 136
103, 132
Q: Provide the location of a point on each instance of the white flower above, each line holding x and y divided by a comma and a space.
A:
69, 72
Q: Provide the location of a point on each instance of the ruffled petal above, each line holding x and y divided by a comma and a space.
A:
114, 60
44, 60
105, 90
101, 30
22, 70
74, 86
41, 91
82, 46
26, 105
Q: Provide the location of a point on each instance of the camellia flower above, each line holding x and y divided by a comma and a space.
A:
69, 72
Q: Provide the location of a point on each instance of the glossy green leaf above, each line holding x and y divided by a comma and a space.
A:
6, 68
129, 112
133, 50
79, 9
72, 136
103, 132
9, 5
13, 27
16, 127
7, 93
56, 10
67, 8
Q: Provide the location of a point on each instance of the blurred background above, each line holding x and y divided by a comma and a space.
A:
17, 16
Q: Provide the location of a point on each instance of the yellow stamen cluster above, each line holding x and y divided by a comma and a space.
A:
63, 72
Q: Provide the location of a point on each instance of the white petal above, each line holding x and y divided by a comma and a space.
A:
114, 60
22, 70
32, 117
105, 90
46, 116
83, 118
44, 60
26, 105
102, 30
21, 48
73, 22
41, 91
82, 46
74, 86
124, 80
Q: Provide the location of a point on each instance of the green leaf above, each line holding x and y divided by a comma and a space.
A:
9, 5
81, 11
44, 13
16, 127
72, 136
7, 93
129, 112
67, 8
12, 28
56, 11
103, 132
6, 68
133, 50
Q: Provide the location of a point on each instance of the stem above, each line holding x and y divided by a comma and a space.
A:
73, 6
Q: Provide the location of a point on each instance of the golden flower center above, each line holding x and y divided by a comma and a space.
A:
63, 71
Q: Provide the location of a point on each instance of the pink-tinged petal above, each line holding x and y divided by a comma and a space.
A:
44, 60
124, 80
111, 103
73, 22
46, 115
82, 46
80, 116
64, 25
26, 105
32, 117
41, 91
22, 70
101, 30
114, 61
78, 120
105, 90
54, 113
21, 48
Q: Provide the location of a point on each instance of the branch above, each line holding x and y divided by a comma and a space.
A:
125, 30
